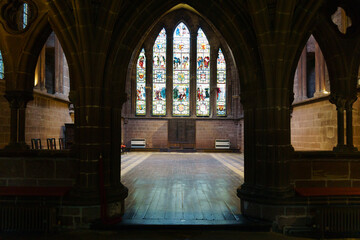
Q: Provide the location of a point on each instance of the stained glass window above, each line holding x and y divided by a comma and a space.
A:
181, 64
221, 85
1, 66
159, 74
202, 75
25, 15
140, 84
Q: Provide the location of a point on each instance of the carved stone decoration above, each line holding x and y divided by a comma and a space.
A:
12, 13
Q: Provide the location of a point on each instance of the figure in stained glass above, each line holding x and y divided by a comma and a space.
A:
221, 85
140, 84
203, 75
159, 75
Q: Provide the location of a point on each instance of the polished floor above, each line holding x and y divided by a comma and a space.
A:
182, 188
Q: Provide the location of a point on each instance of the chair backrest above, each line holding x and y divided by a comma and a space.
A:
35, 143
51, 143
61, 143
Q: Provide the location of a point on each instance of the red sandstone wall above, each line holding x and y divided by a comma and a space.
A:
45, 118
314, 126
207, 131
4, 117
154, 131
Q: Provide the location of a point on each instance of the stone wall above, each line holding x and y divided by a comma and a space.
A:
4, 117
154, 131
38, 170
45, 118
314, 125
325, 169
207, 131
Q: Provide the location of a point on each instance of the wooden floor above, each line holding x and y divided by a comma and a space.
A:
182, 187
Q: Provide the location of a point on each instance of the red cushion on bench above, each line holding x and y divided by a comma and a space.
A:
33, 191
327, 191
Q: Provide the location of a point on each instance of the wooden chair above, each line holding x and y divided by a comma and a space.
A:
36, 143
51, 143
61, 143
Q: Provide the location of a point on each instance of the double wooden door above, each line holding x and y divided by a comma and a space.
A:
181, 133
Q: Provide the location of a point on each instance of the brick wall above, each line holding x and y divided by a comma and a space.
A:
45, 118
154, 131
209, 130
4, 117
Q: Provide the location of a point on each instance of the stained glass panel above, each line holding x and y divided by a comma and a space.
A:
159, 74
1, 66
181, 64
202, 75
221, 85
25, 15
140, 84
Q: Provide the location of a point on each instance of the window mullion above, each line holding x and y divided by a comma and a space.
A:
193, 52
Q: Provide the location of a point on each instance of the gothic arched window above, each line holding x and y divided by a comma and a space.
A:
181, 71
202, 75
140, 84
159, 75
188, 88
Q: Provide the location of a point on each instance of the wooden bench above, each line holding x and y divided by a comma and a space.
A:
138, 143
340, 219
222, 144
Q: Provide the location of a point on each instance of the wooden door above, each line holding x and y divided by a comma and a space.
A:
181, 133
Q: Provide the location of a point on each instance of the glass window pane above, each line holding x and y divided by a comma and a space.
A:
25, 15
202, 75
140, 84
181, 72
159, 75
221, 85
1, 66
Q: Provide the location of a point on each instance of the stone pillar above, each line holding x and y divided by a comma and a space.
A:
340, 107
300, 92
40, 72
148, 84
193, 53
169, 76
349, 125
18, 101
59, 68
213, 80
268, 166
320, 87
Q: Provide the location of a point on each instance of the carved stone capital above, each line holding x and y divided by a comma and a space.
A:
18, 99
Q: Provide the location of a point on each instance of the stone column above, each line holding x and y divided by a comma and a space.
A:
148, 84
169, 73
213, 80
59, 69
18, 101
193, 46
268, 158
340, 107
349, 125
40, 71
300, 92
320, 86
